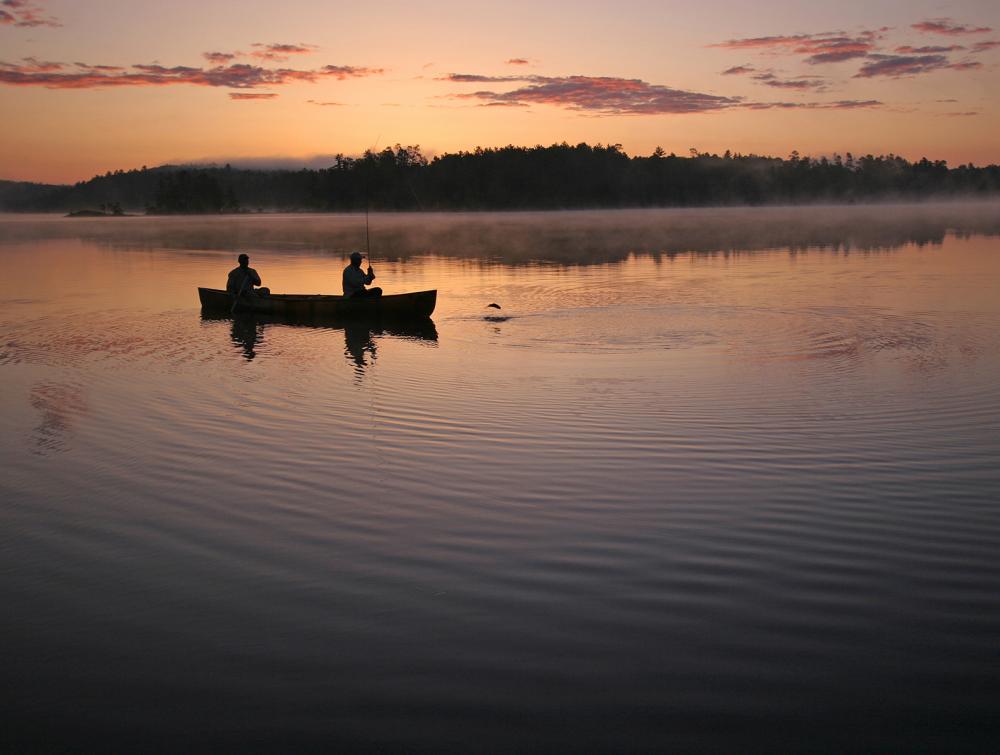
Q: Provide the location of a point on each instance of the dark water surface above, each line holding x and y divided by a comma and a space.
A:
724, 480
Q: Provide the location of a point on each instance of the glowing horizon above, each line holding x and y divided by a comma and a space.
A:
91, 89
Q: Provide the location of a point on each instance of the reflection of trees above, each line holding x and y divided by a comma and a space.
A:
564, 237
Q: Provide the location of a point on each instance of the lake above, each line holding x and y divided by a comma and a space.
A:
717, 480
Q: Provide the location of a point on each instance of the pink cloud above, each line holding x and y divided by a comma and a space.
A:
738, 70
518, 62
988, 44
37, 66
757, 42
897, 66
277, 52
236, 76
601, 95
928, 49
219, 58
252, 95
948, 27
967, 65
801, 82
818, 48
835, 105
25, 13
835, 49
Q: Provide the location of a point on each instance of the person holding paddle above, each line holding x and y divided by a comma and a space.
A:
355, 279
242, 279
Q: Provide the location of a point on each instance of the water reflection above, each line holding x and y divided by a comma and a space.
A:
577, 237
59, 405
358, 343
248, 333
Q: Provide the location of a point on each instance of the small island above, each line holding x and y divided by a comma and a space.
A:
105, 210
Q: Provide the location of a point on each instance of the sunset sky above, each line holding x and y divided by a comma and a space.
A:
87, 87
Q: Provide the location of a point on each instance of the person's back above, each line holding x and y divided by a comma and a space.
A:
242, 279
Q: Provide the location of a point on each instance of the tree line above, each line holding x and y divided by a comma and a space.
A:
511, 178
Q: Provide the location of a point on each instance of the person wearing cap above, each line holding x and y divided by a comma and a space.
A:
242, 279
355, 279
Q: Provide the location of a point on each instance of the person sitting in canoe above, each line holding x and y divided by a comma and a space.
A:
242, 279
355, 280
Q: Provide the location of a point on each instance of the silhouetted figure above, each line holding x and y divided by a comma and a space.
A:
242, 279
355, 279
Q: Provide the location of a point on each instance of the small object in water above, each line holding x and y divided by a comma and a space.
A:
494, 305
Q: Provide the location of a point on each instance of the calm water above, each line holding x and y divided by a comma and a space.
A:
723, 480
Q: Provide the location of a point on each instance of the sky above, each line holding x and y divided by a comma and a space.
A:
88, 87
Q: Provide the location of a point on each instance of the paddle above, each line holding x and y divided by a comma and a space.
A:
236, 299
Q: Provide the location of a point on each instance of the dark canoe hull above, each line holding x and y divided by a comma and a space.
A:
414, 306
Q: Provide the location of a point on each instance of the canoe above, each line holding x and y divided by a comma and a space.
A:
413, 306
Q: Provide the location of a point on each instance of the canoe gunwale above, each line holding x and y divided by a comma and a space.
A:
407, 306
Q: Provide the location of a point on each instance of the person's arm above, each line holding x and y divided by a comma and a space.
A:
254, 277
371, 275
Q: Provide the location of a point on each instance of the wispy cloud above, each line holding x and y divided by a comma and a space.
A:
738, 70
965, 113
816, 48
989, 44
279, 52
325, 104
236, 76
835, 105
928, 49
518, 62
599, 95
966, 65
948, 27
800, 82
220, 58
37, 66
476, 78
25, 13
252, 95
897, 66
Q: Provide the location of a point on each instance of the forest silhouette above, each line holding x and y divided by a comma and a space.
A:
513, 178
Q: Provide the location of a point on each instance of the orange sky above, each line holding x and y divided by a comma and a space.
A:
90, 87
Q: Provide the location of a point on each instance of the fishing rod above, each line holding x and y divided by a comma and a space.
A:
368, 245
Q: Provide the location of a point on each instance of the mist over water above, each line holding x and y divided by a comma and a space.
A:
710, 479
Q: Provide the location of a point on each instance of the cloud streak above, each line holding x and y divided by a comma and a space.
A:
899, 66
25, 13
235, 76
928, 49
816, 48
252, 95
599, 95
278, 52
835, 105
948, 27
801, 83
